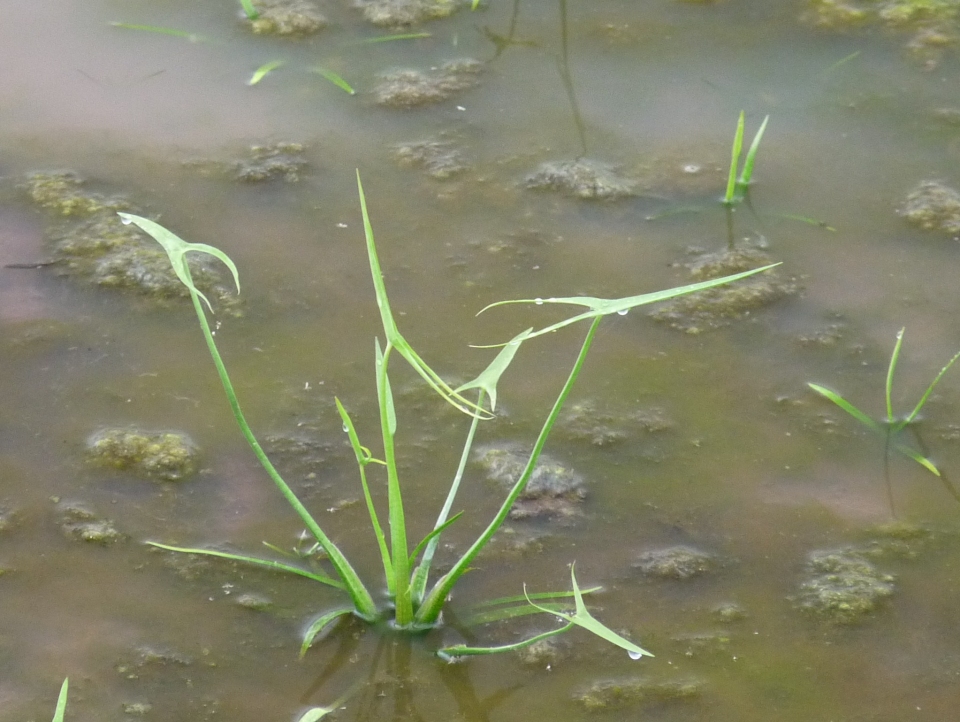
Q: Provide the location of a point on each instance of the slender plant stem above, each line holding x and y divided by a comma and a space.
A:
362, 601
398, 528
429, 611
423, 569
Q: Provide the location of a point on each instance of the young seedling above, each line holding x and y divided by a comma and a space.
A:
737, 187
264, 70
249, 10
61, 702
890, 426
415, 601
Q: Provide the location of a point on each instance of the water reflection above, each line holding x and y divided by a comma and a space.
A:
502, 41
397, 685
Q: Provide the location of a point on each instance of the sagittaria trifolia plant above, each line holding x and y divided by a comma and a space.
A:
416, 599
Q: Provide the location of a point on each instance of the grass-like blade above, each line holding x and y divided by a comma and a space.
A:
458, 651
249, 10
918, 457
583, 618
177, 250
402, 36
891, 370
848, 407
605, 306
335, 79
319, 625
262, 72
804, 219
841, 62
432, 535
161, 31
394, 337
61, 701
314, 714
487, 381
257, 561
729, 198
364, 458
429, 611
744, 181
500, 614
926, 394
535, 595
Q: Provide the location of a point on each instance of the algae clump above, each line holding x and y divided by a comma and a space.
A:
677, 562
400, 13
553, 489
287, 17
408, 88
842, 586
716, 307
80, 523
166, 455
440, 159
63, 194
582, 178
933, 206
91, 243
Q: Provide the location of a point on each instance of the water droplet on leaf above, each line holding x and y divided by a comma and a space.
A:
623, 312
538, 301
635, 655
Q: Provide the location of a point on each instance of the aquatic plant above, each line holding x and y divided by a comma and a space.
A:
335, 79
264, 70
414, 603
737, 187
249, 10
892, 425
61, 701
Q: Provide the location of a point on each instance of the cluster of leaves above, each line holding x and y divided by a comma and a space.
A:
416, 601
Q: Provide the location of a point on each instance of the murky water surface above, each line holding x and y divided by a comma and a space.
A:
701, 441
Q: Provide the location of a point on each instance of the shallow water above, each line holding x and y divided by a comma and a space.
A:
752, 468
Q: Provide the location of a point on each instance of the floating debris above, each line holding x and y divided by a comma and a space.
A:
402, 13
80, 523
614, 694
728, 612
553, 490
411, 88
842, 586
677, 562
933, 206
92, 244
718, 306
602, 426
168, 456
254, 602
581, 178
440, 159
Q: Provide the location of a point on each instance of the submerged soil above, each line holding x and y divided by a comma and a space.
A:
748, 532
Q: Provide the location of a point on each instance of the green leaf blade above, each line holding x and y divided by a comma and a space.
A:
848, 407
256, 561
335, 79
61, 708
319, 625
265, 69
